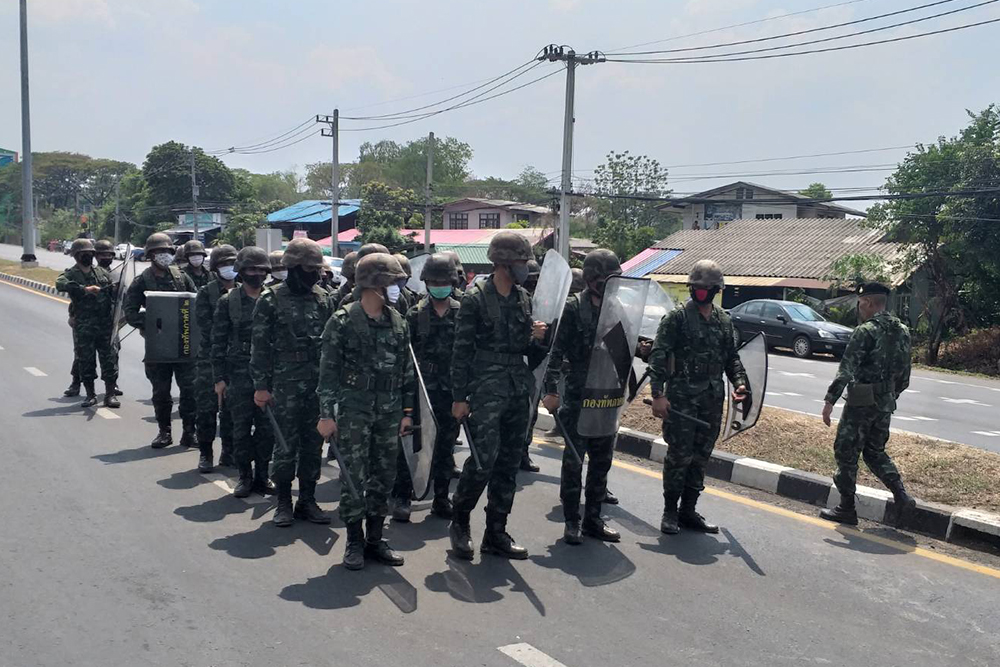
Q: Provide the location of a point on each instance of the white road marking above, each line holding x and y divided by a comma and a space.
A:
836, 406
988, 434
785, 393
910, 391
797, 375
106, 414
34, 371
925, 419
528, 655
1, 348
947, 382
963, 401
905, 419
222, 482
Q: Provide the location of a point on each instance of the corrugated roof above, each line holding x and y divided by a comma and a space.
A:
460, 236
313, 211
803, 248
647, 261
467, 253
475, 202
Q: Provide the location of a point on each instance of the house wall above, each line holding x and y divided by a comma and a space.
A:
708, 216
506, 217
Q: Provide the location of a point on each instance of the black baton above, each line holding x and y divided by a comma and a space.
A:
472, 446
682, 415
569, 442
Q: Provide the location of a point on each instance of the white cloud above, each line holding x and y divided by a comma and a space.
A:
58, 11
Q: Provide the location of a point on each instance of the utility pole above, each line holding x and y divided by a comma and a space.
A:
194, 196
334, 133
28, 259
427, 192
555, 53
117, 209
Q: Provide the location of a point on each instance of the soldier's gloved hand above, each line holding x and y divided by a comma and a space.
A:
551, 403
327, 428
262, 397
739, 393
643, 349
538, 330
92, 289
661, 407
460, 410
827, 411
405, 426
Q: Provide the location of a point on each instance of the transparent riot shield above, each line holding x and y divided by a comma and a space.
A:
547, 304
416, 267
611, 358
418, 446
658, 304
744, 415
122, 276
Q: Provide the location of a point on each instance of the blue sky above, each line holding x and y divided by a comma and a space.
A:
112, 78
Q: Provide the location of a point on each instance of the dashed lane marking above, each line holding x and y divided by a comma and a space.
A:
106, 414
529, 656
988, 434
963, 401
36, 372
797, 375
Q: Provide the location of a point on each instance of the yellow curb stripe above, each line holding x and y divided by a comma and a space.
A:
31, 291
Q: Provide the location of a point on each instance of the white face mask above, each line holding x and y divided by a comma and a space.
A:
279, 275
163, 259
196, 260
392, 293
227, 273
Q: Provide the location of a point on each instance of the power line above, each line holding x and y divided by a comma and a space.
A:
262, 142
311, 132
802, 201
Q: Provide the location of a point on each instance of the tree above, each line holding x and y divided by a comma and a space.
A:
816, 191
953, 238
280, 186
384, 211
167, 171
858, 268
61, 224
625, 241
621, 183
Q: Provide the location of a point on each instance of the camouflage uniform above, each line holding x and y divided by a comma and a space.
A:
92, 314
208, 401
199, 279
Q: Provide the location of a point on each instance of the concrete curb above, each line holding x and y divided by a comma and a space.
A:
933, 519
30, 284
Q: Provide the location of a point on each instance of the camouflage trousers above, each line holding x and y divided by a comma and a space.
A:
862, 432
530, 433
159, 376
92, 341
369, 445
296, 409
209, 412
497, 425
689, 446
253, 438
599, 452
444, 451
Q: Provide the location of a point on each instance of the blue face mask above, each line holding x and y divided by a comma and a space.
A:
440, 292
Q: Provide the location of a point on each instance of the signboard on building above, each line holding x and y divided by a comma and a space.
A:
722, 213
300, 234
7, 157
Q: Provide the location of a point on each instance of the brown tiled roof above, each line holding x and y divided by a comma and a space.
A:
802, 248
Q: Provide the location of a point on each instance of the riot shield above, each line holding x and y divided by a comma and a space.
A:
172, 333
741, 416
658, 304
418, 446
416, 267
547, 304
611, 358
122, 276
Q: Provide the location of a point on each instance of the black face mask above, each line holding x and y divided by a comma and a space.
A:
85, 259
300, 281
105, 263
254, 282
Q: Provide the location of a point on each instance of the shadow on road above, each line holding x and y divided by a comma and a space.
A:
416, 535
138, 454
265, 540
184, 480
481, 582
702, 549
341, 588
63, 411
631, 522
215, 509
855, 541
593, 563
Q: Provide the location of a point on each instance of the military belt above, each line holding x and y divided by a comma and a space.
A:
372, 382
699, 368
499, 358
301, 355
429, 368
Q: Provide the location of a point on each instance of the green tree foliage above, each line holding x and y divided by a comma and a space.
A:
59, 225
167, 171
283, 186
620, 181
955, 239
858, 268
384, 211
624, 240
816, 191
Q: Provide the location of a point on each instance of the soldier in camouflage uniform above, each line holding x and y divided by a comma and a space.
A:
92, 294
210, 405
459, 281
278, 272
410, 296
288, 326
195, 256
232, 331
578, 283
105, 257
875, 369
180, 261
402, 304
432, 334
162, 276
574, 344
346, 278
491, 384
694, 345
367, 393
534, 271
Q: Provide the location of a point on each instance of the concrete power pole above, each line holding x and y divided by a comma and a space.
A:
194, 196
117, 210
555, 53
427, 192
28, 259
334, 133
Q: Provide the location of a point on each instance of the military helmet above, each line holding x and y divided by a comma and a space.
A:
179, 256
104, 245
600, 263
194, 247
303, 252
81, 245
274, 257
159, 241
706, 273
578, 282
404, 263
378, 270
221, 253
349, 265
252, 257
507, 247
439, 267
371, 248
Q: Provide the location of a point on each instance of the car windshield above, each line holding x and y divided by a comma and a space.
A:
801, 313
337, 262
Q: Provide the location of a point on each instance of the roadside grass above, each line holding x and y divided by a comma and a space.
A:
932, 470
40, 274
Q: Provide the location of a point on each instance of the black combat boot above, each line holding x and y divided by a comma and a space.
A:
306, 507
354, 551
375, 547
401, 510
461, 536
245, 483
91, 399
118, 390
261, 484
903, 503
842, 513
188, 435
571, 534
527, 464
497, 541
73, 389
442, 504
205, 457
111, 396
456, 472
164, 437
283, 514
594, 526
688, 518
610, 498
668, 523
226, 459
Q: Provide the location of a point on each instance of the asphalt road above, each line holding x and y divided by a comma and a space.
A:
942, 405
51, 260
116, 554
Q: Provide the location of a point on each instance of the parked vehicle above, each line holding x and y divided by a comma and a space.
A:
120, 250
139, 254
789, 324
335, 264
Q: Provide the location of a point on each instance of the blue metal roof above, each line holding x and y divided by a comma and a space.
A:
650, 264
313, 211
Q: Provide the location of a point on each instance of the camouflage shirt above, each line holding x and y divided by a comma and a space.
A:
366, 365
204, 312
878, 353
287, 332
232, 331
172, 280
199, 279
691, 353
83, 306
573, 345
433, 340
